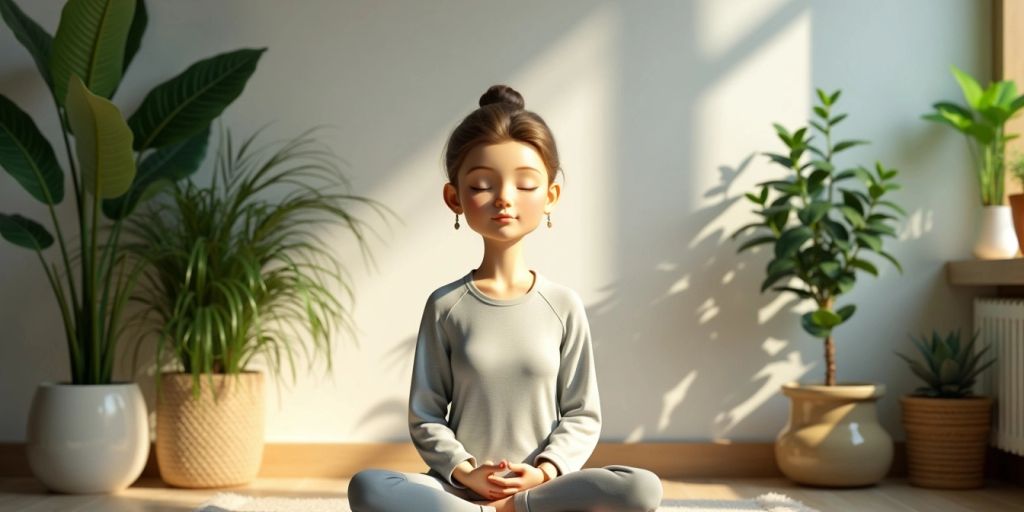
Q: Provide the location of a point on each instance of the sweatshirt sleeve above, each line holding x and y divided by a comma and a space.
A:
573, 440
429, 396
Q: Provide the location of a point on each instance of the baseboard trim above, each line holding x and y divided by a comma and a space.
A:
340, 460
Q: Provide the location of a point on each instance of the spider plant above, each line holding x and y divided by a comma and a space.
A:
241, 269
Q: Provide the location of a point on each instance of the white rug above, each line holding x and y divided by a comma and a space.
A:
227, 502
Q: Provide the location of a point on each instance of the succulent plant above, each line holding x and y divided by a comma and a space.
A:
950, 367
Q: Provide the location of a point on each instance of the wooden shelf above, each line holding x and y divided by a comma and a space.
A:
986, 272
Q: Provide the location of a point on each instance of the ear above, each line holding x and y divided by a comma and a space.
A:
451, 198
554, 193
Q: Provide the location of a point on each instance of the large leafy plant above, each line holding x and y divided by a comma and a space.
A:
950, 367
116, 162
240, 270
983, 121
821, 223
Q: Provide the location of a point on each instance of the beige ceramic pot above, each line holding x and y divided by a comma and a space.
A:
833, 438
215, 440
946, 440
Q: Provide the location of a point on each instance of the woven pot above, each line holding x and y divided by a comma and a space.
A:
946, 440
215, 440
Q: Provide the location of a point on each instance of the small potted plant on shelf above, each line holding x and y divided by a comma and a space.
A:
983, 121
947, 425
820, 223
90, 434
236, 274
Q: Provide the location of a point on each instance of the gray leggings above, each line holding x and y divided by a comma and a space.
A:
611, 488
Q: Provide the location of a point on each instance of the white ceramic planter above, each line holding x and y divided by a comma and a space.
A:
87, 439
996, 236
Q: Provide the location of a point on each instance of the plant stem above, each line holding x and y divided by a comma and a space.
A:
830, 350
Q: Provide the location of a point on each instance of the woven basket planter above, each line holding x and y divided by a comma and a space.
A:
946, 440
215, 440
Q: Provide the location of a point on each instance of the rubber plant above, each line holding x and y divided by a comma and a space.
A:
821, 223
115, 164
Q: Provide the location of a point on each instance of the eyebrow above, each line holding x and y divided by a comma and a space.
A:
524, 168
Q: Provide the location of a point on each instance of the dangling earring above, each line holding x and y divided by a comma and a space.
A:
457, 221
549, 221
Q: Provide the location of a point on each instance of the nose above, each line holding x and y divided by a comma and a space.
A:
504, 197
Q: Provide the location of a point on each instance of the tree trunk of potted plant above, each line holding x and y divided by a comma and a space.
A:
209, 433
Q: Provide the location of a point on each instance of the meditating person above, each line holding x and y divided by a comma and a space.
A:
507, 349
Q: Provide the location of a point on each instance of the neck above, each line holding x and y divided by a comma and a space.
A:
504, 262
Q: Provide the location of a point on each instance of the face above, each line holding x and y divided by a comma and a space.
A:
503, 190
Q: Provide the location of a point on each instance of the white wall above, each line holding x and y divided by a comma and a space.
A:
660, 109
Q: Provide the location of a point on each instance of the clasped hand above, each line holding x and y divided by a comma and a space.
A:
486, 482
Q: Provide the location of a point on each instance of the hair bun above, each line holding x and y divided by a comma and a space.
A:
502, 94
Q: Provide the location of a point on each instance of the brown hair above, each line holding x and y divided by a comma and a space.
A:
502, 117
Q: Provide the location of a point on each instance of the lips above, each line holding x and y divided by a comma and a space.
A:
503, 217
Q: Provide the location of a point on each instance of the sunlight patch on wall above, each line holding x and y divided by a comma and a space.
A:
772, 377
736, 124
724, 24
671, 399
572, 85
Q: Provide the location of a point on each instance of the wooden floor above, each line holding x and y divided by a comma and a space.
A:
26, 494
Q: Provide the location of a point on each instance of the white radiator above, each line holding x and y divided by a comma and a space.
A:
1001, 326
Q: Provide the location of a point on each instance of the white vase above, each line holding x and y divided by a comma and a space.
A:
996, 237
87, 439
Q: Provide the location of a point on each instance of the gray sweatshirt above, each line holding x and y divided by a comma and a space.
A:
518, 373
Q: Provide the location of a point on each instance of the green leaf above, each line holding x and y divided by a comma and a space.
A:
774, 278
846, 312
893, 206
135, 32
818, 126
852, 215
846, 282
37, 41
858, 172
777, 266
830, 269
846, 144
969, 86
869, 240
892, 259
835, 96
162, 167
781, 160
854, 201
823, 165
27, 156
822, 113
186, 104
755, 242
812, 328
790, 241
754, 199
103, 142
836, 120
823, 97
90, 43
24, 232
814, 212
803, 294
864, 265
